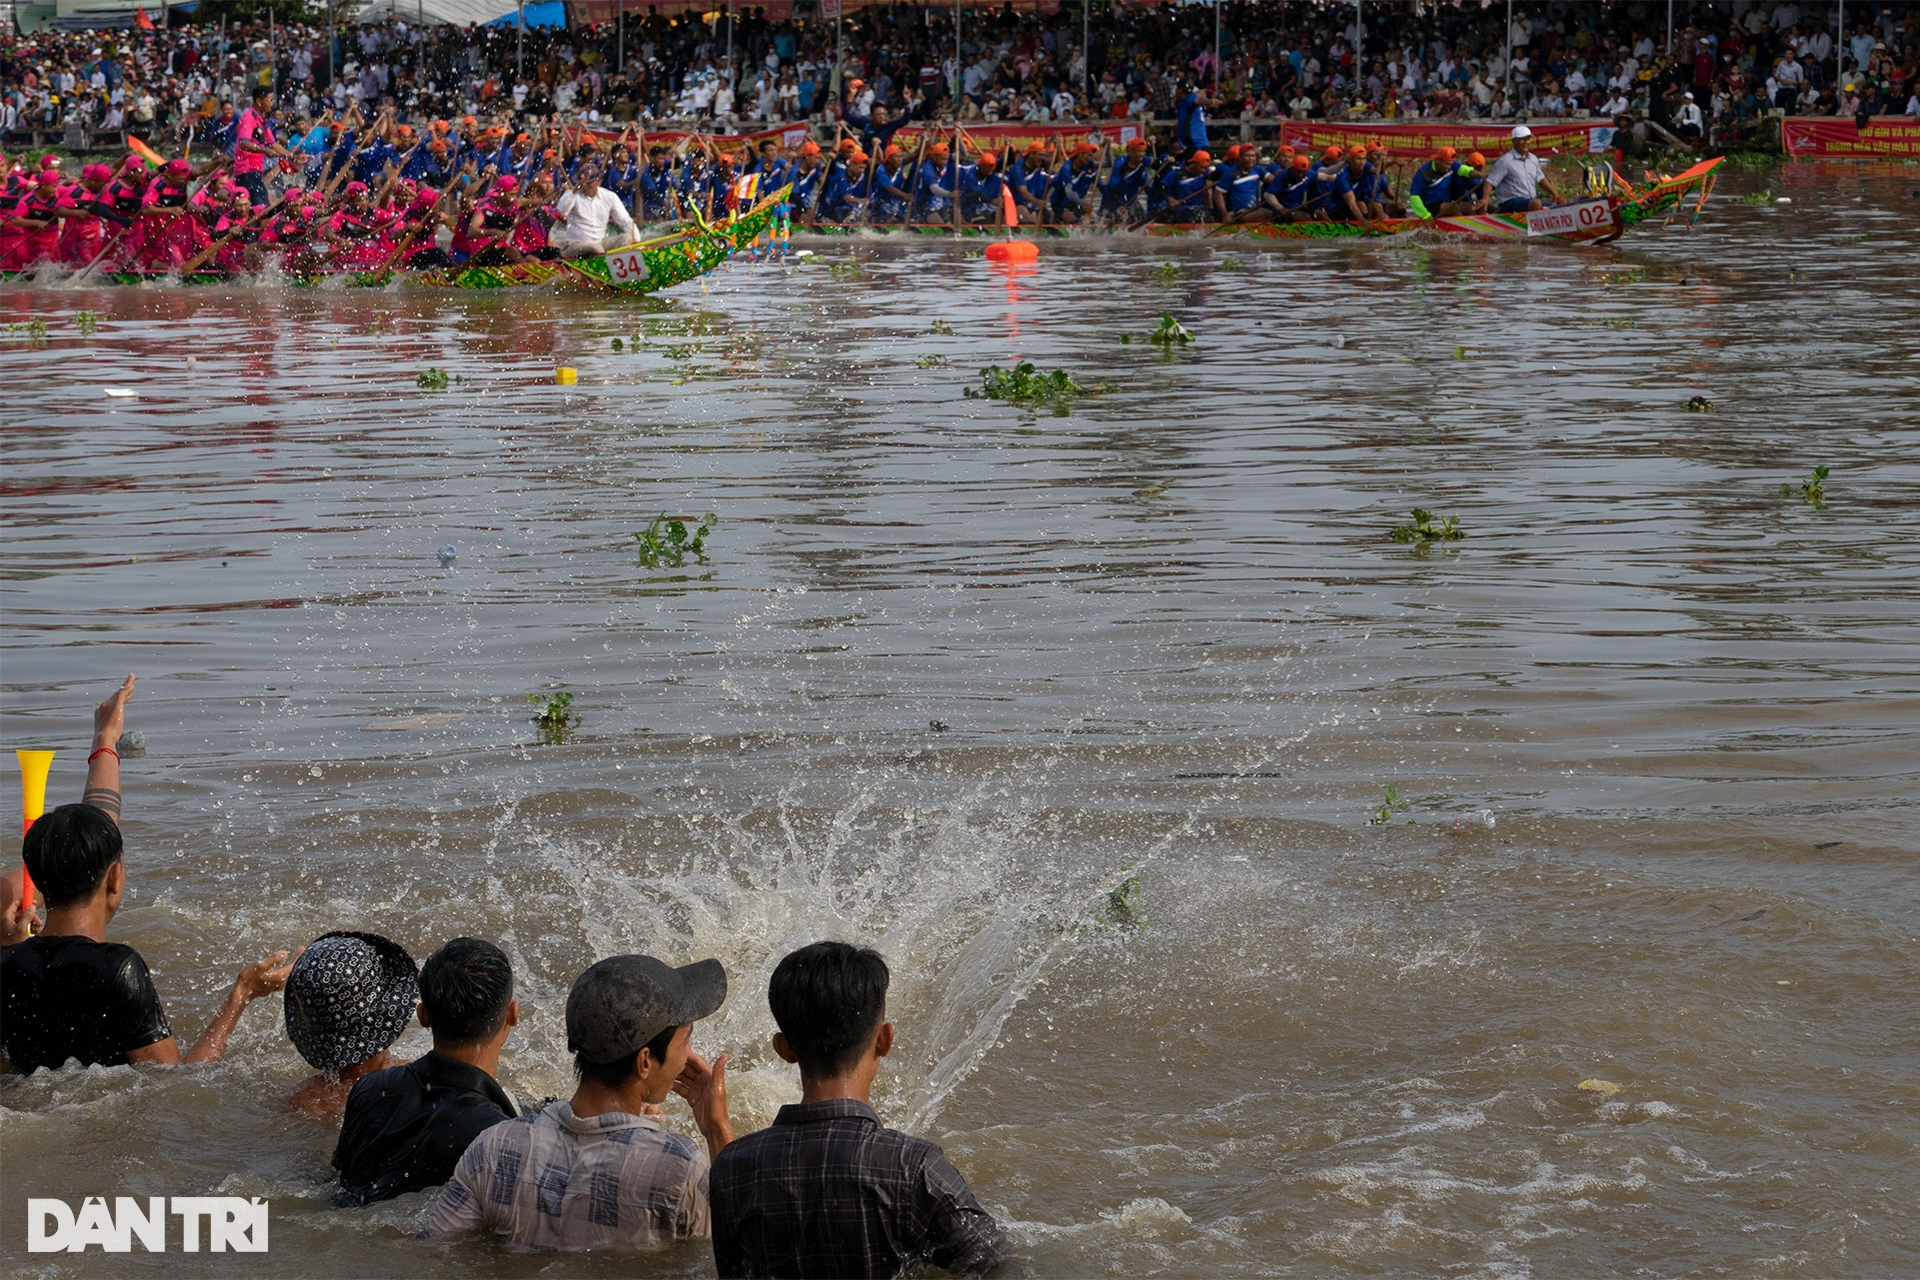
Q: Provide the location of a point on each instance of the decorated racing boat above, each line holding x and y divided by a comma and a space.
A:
1610, 208
680, 253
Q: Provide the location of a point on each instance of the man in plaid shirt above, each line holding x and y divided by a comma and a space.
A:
597, 1169
827, 1190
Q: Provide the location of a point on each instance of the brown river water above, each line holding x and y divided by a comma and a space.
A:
953, 673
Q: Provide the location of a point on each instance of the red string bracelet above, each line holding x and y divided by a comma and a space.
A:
104, 751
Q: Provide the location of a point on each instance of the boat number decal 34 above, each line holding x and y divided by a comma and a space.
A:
631, 266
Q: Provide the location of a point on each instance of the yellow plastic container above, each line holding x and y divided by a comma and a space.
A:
566, 377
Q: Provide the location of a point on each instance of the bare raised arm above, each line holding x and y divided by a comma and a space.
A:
103, 761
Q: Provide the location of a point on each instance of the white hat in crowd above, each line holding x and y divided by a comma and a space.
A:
1521, 131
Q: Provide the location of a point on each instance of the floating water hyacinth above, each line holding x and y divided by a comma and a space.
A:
1813, 490
1170, 333
1427, 528
1024, 384
668, 541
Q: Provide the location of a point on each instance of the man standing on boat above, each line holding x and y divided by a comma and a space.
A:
1517, 176
1190, 119
586, 209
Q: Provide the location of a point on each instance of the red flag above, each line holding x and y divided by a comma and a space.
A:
141, 21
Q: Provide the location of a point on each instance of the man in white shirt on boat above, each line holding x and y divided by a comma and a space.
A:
586, 209
1517, 176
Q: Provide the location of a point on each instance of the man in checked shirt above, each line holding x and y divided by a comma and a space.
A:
826, 1190
598, 1169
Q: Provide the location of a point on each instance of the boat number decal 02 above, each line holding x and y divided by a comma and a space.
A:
630, 266
1562, 219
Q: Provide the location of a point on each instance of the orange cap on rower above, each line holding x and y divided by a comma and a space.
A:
441, 126
988, 160
1445, 153
939, 149
1477, 160
856, 157
1233, 152
1331, 153
1084, 148
848, 144
893, 149
1136, 144
1200, 157
1302, 163
1036, 148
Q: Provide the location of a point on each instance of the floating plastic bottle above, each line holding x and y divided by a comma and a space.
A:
1477, 820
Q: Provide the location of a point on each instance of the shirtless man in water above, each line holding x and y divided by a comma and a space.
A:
68, 993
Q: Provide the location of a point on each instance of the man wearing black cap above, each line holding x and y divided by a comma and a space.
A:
597, 1170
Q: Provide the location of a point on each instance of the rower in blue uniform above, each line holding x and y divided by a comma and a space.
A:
1073, 186
1129, 177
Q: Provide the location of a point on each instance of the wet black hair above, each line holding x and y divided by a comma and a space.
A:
829, 998
466, 987
69, 850
620, 1070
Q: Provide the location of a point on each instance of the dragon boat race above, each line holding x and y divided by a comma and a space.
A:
1279, 669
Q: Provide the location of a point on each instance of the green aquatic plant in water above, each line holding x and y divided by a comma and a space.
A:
1167, 272
1395, 803
929, 362
1813, 490
667, 542
1024, 384
941, 327
86, 322
1762, 196
1698, 404
34, 330
1170, 333
554, 719
1120, 908
1231, 263
1427, 529
433, 379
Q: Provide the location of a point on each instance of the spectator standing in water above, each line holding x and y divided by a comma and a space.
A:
68, 993
597, 1169
827, 1190
349, 997
406, 1127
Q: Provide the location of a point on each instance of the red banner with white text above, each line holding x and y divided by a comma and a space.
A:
1421, 138
1837, 137
1018, 134
791, 135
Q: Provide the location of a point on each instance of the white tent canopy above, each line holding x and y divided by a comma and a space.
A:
459, 13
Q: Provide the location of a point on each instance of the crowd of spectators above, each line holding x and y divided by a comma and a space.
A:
1738, 59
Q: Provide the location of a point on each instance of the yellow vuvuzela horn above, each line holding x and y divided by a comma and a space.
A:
34, 766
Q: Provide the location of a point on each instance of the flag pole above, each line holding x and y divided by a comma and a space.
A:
959, 92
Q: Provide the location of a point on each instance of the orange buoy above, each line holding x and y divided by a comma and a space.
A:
1013, 251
